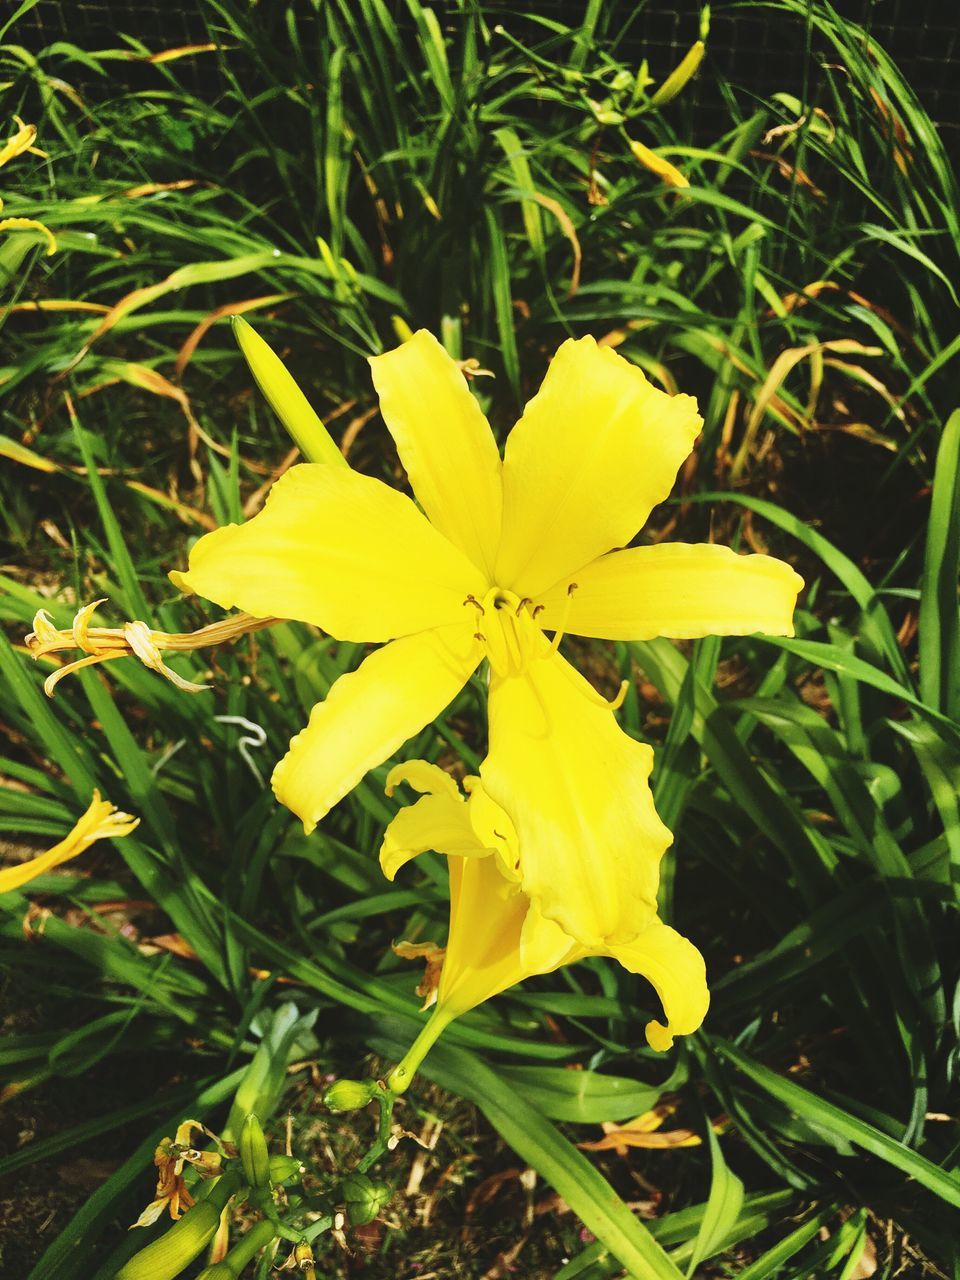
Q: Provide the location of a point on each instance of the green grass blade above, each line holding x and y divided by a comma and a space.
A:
820, 1112
567, 1170
939, 624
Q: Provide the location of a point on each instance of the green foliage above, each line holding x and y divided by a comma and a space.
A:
359, 167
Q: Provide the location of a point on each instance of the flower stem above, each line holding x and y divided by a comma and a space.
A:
402, 1074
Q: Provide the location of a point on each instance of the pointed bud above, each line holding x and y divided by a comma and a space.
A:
349, 1095
284, 396
254, 1155
165, 1258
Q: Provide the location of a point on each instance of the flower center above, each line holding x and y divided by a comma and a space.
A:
506, 624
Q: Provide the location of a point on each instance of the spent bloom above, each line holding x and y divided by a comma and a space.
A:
101, 821
170, 1157
499, 553
132, 639
498, 935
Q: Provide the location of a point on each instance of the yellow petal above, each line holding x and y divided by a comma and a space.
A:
101, 821
371, 712
678, 590
436, 822
338, 549
675, 968
31, 224
429, 779
494, 828
21, 141
483, 949
444, 442
576, 787
543, 944
596, 449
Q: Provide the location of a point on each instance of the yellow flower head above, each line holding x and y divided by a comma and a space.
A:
498, 936
16, 145
100, 822
498, 553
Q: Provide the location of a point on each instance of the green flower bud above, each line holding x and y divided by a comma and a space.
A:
678, 77
284, 1168
364, 1198
254, 1155
349, 1095
165, 1258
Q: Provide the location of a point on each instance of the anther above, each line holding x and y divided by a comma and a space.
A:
537, 610
475, 602
523, 603
478, 636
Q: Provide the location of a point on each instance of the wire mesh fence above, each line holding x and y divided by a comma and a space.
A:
758, 49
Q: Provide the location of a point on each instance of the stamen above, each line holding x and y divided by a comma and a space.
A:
133, 639
523, 603
616, 702
564, 617
613, 704
476, 604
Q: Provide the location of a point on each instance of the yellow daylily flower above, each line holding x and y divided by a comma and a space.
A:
22, 140
100, 822
16, 145
498, 934
497, 552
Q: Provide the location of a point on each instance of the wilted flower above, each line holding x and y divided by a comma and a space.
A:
101, 821
170, 1157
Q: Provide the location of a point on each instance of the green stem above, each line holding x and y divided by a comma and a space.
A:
246, 1248
402, 1074
385, 1100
